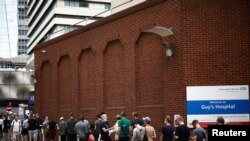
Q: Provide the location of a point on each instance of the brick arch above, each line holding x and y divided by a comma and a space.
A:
113, 74
149, 57
86, 80
64, 84
46, 88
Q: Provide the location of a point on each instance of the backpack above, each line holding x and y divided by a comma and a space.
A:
91, 137
124, 129
145, 137
138, 134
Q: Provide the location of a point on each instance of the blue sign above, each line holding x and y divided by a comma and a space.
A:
217, 107
31, 99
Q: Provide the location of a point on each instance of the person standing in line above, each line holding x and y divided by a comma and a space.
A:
137, 132
116, 128
44, 130
198, 134
182, 132
62, 129
136, 119
148, 130
1, 126
52, 130
16, 128
39, 126
105, 128
32, 128
92, 134
71, 134
81, 129
6, 127
167, 131
124, 122
98, 126
25, 128
220, 120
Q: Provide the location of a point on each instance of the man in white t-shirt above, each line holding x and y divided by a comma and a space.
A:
16, 128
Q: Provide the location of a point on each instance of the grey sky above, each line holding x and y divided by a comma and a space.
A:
8, 28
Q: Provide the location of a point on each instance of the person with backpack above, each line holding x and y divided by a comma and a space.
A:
124, 128
92, 134
137, 132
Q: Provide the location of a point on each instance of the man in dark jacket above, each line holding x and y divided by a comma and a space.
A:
71, 134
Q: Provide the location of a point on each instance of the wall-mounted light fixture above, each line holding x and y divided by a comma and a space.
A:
163, 32
169, 51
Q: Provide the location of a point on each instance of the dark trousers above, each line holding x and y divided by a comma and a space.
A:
71, 137
63, 137
123, 138
82, 139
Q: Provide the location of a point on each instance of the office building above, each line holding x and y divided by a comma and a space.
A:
22, 27
119, 5
52, 18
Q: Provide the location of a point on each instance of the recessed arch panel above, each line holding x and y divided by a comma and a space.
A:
86, 79
113, 74
46, 88
150, 57
64, 83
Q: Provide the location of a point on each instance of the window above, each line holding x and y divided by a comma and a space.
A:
71, 3
83, 4
66, 3
107, 6
76, 3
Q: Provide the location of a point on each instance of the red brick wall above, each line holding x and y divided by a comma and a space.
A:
112, 66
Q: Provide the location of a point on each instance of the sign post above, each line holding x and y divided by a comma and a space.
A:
9, 108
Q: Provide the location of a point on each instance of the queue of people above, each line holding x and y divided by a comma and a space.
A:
33, 128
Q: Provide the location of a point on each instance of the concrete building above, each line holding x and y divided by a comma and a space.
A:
51, 18
126, 66
119, 5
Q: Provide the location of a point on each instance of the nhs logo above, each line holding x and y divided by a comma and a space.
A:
243, 88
